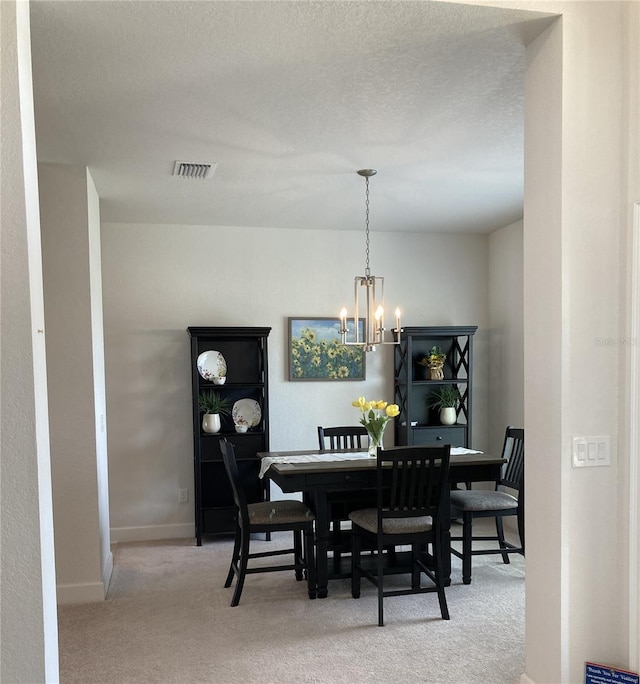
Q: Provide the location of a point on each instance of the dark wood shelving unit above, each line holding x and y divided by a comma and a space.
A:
245, 353
417, 423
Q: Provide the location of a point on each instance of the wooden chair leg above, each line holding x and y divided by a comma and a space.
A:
521, 519
297, 554
356, 548
336, 540
234, 557
379, 562
439, 575
415, 568
242, 567
467, 520
500, 531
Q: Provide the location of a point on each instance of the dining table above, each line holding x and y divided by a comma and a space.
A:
318, 474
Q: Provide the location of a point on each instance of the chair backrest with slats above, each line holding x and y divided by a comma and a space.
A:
412, 481
513, 450
229, 458
345, 437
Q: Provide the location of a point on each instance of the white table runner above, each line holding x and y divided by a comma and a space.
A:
335, 456
312, 458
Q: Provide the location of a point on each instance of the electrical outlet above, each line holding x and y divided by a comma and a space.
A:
183, 496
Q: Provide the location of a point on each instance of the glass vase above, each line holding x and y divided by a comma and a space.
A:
375, 441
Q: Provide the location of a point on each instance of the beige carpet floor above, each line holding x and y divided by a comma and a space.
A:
167, 618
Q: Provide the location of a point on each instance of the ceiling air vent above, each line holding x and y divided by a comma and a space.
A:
200, 170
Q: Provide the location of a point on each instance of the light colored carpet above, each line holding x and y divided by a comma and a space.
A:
167, 618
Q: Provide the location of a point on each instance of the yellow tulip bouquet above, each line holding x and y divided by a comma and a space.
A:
375, 416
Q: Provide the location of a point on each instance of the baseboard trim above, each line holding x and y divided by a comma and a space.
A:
86, 592
525, 679
152, 532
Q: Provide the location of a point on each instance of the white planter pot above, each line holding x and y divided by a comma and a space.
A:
448, 415
211, 423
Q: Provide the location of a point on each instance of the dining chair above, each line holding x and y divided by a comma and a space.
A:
268, 516
342, 437
495, 503
412, 483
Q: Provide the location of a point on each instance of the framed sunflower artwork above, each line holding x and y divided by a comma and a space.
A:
317, 353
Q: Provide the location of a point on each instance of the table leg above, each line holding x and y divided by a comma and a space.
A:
322, 542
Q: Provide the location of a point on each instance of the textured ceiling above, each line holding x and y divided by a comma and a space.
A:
290, 99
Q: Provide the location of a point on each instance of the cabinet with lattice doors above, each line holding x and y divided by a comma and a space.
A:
418, 423
239, 354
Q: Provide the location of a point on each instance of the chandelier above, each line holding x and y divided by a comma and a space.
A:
369, 290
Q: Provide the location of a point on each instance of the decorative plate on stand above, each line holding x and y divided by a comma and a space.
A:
246, 412
211, 365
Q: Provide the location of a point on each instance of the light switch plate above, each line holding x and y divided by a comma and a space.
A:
591, 452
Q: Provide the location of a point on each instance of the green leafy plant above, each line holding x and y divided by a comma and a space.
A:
212, 402
435, 357
446, 396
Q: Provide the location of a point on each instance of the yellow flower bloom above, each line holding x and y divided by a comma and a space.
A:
392, 410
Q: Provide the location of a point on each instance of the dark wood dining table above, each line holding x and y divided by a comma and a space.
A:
318, 479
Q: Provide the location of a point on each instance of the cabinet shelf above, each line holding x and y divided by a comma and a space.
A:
205, 385
245, 353
230, 433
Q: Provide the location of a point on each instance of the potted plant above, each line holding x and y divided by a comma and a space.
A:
213, 406
433, 361
446, 398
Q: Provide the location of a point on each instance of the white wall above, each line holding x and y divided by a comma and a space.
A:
571, 297
99, 388
28, 636
71, 261
581, 158
160, 279
506, 333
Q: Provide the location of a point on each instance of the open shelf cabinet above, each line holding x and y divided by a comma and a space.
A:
245, 353
418, 424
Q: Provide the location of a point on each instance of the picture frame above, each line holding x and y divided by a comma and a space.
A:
317, 354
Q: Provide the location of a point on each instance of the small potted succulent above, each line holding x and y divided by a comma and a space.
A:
445, 399
213, 406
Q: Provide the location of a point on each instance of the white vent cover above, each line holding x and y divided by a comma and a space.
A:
200, 170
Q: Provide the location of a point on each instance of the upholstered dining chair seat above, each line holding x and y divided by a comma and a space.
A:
368, 520
482, 500
272, 512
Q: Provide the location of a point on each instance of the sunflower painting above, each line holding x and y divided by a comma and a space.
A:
316, 353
